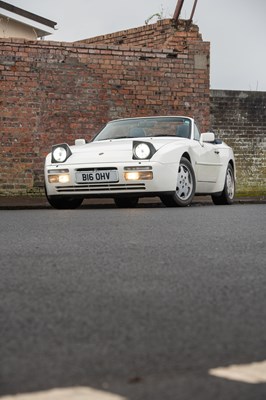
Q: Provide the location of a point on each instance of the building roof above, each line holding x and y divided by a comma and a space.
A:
43, 26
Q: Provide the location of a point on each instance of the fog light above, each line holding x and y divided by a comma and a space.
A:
138, 175
64, 178
60, 178
132, 176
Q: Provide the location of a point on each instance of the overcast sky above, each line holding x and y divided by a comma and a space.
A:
235, 28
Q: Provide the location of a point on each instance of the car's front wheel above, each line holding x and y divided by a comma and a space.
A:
228, 193
64, 203
126, 202
185, 186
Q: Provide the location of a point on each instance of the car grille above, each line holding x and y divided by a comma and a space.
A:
101, 187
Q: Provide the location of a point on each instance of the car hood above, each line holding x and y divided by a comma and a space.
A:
118, 150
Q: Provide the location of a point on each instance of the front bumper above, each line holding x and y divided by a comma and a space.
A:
163, 180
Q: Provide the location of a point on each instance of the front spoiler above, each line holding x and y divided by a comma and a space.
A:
111, 195
164, 181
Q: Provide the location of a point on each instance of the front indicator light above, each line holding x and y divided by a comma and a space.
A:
138, 175
60, 178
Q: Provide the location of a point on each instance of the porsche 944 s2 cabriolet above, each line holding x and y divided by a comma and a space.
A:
142, 157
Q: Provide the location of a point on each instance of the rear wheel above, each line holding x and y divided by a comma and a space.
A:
126, 202
185, 186
228, 193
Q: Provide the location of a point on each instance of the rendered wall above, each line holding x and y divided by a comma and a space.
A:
53, 92
239, 118
10, 28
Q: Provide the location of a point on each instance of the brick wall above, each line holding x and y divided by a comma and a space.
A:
162, 35
54, 92
239, 118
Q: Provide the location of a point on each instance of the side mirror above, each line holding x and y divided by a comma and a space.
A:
207, 137
80, 142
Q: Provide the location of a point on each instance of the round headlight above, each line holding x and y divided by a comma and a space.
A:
60, 154
142, 151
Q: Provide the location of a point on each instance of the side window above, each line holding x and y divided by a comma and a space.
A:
196, 133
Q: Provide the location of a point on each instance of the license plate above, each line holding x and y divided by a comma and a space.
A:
96, 176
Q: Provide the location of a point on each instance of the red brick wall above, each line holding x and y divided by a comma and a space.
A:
53, 92
162, 35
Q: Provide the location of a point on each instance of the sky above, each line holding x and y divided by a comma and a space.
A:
236, 30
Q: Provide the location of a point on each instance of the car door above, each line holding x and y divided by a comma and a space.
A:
208, 162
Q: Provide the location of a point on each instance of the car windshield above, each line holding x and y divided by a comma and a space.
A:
146, 127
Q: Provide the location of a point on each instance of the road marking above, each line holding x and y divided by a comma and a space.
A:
77, 393
248, 373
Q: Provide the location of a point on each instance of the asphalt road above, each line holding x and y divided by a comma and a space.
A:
141, 303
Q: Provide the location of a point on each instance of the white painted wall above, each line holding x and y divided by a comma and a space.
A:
10, 28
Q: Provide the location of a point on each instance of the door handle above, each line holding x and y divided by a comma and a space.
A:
216, 152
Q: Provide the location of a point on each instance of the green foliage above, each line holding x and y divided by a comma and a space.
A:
159, 15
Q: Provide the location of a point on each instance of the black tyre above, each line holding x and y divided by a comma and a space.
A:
185, 186
64, 203
126, 202
228, 193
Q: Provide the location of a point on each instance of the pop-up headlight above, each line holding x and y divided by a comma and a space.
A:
60, 153
143, 150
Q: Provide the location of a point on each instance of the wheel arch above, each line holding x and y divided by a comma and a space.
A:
231, 162
187, 156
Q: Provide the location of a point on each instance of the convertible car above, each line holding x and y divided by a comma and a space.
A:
140, 157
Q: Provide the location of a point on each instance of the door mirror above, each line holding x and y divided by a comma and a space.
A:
80, 142
207, 137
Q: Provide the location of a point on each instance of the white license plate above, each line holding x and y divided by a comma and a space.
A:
96, 176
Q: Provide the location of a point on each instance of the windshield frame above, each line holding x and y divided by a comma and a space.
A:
143, 126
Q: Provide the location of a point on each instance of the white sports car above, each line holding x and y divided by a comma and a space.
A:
140, 157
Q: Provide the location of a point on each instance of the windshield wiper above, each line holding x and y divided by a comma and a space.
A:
162, 134
120, 137
111, 138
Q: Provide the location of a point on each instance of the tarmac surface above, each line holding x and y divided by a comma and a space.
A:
140, 304
40, 202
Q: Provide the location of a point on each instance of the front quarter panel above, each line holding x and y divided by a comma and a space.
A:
48, 159
171, 153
